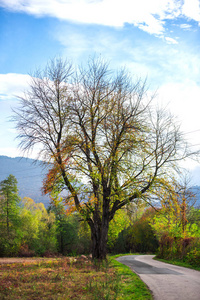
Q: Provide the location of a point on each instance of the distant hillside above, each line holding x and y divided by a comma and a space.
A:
29, 174
196, 191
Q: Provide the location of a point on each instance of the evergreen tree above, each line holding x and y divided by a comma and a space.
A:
9, 216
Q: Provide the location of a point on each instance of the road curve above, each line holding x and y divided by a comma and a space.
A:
167, 282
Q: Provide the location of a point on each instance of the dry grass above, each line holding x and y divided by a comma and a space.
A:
61, 278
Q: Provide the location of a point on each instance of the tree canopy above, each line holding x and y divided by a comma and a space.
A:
107, 144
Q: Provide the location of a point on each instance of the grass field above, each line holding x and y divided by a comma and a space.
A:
70, 278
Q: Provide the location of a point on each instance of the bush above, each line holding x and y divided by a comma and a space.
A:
121, 245
24, 251
193, 257
9, 246
185, 249
139, 237
184, 246
166, 246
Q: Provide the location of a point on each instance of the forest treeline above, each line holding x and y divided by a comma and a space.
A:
29, 229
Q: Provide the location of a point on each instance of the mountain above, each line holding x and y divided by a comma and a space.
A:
194, 176
196, 191
29, 174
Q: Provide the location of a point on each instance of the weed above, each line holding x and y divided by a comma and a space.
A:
70, 278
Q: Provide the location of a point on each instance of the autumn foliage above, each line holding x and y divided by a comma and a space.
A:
107, 144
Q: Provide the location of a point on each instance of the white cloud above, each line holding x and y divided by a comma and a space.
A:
186, 26
14, 151
148, 15
161, 62
183, 100
170, 40
10, 151
12, 85
191, 9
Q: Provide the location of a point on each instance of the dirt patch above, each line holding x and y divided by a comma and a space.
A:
21, 260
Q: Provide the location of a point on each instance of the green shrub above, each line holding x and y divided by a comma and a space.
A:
193, 257
166, 246
182, 249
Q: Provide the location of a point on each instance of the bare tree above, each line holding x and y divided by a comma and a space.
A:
99, 127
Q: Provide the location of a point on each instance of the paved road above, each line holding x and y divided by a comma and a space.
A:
167, 282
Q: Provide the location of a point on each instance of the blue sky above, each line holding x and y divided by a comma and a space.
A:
159, 39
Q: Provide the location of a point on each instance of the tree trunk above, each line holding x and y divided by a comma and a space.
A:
7, 214
99, 236
99, 233
61, 242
